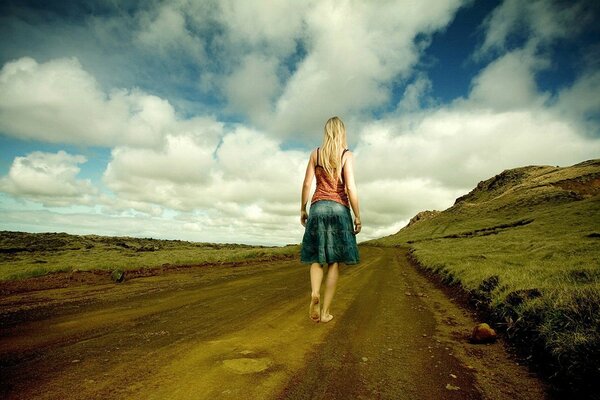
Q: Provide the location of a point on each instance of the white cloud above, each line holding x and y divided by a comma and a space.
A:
182, 160
112, 205
192, 227
252, 87
247, 177
508, 83
580, 101
57, 101
317, 51
289, 66
424, 159
388, 203
286, 67
169, 177
164, 31
354, 50
250, 187
251, 155
541, 20
50, 178
497, 126
416, 95
457, 147
271, 27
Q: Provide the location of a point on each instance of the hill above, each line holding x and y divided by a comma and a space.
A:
525, 246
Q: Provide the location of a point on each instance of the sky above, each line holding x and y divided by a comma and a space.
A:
194, 120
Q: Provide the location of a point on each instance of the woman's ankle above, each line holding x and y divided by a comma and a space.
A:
313, 294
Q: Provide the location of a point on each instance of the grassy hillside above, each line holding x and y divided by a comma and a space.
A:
32, 254
525, 244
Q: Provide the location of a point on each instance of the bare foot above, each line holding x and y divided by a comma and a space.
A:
314, 310
326, 317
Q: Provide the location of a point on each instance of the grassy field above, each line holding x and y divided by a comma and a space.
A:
525, 245
25, 255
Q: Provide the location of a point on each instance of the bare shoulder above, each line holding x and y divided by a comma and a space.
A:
312, 159
313, 154
348, 155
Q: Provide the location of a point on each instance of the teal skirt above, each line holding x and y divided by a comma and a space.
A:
329, 236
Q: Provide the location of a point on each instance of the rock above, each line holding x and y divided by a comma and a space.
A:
422, 216
483, 333
452, 387
365, 359
492, 187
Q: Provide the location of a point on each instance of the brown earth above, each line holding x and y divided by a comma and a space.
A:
223, 332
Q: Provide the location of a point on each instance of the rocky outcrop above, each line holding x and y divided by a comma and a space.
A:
495, 185
422, 216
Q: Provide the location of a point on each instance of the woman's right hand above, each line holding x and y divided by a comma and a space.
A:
303, 217
357, 225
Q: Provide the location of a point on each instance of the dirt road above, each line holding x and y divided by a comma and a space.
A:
244, 332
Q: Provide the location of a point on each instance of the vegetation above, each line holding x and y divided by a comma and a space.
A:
525, 246
24, 255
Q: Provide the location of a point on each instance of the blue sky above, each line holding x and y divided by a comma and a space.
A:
194, 120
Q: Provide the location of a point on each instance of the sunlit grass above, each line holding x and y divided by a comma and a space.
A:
25, 255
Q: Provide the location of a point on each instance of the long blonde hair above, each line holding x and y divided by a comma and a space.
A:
334, 142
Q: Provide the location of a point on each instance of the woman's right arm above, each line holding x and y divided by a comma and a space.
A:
306, 186
351, 189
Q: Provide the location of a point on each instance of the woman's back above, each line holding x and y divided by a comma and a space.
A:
327, 188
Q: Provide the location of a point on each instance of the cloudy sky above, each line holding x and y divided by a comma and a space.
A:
194, 120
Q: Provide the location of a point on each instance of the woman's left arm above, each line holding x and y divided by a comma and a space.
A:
308, 178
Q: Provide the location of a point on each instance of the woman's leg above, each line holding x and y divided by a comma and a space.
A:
330, 283
316, 277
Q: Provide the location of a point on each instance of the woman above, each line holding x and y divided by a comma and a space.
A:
329, 237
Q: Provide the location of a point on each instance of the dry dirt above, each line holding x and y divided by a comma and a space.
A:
232, 332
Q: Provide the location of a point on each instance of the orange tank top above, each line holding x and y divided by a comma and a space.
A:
327, 189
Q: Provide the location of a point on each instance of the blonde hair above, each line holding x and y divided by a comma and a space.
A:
334, 142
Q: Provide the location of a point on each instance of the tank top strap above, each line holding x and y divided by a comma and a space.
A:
344, 152
317, 156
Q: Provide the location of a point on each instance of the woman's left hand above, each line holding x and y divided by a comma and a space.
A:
303, 217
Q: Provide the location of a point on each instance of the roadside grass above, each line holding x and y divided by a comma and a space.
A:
526, 247
24, 255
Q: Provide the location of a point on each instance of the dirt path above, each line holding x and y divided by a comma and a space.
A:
244, 332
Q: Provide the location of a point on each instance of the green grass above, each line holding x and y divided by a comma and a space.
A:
526, 246
24, 255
